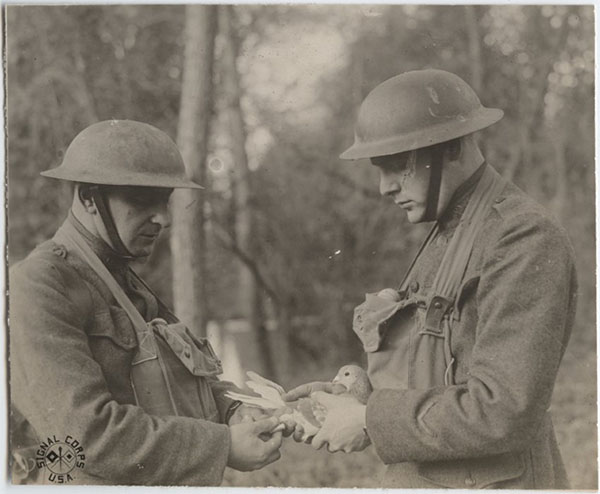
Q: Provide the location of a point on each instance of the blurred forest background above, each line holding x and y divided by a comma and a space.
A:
285, 238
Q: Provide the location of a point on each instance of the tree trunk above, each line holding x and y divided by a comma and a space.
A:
188, 238
561, 192
249, 294
285, 365
531, 106
474, 48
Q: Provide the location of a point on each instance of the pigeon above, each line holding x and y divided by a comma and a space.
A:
306, 412
356, 381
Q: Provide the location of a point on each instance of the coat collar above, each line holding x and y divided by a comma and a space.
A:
115, 263
453, 213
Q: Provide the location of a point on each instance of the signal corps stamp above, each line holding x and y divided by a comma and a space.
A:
61, 458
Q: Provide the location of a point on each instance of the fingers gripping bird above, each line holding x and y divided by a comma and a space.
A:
306, 412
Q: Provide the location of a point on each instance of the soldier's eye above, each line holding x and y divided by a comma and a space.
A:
149, 197
398, 165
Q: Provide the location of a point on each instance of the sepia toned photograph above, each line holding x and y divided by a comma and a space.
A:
301, 246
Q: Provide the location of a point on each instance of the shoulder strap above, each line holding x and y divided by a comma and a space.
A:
457, 255
149, 376
432, 233
162, 306
76, 243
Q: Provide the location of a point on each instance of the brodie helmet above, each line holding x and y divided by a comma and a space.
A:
414, 110
121, 153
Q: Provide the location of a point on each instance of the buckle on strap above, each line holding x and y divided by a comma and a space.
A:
438, 308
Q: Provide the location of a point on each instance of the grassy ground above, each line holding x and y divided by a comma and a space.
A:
573, 411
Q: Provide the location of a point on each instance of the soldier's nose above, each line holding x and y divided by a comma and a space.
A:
387, 185
162, 218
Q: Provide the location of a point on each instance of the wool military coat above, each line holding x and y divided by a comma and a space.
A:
492, 428
71, 347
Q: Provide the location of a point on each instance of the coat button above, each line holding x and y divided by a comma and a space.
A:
414, 286
60, 250
469, 482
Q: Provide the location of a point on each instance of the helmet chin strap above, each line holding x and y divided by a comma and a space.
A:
116, 243
435, 181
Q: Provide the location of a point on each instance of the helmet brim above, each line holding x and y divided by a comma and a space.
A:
125, 179
421, 138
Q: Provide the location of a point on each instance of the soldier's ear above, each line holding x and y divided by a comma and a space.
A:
85, 197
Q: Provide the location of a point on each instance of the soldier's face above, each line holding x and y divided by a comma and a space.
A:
139, 213
404, 177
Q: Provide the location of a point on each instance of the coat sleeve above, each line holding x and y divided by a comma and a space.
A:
59, 387
219, 388
525, 302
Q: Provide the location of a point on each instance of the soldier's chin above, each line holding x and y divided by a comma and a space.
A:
415, 215
142, 254
143, 247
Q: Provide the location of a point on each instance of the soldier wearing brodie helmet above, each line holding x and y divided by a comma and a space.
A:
464, 353
412, 114
97, 357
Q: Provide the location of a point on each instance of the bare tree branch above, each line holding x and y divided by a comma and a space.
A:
328, 171
225, 239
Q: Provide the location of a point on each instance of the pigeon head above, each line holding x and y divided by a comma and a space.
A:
348, 375
356, 380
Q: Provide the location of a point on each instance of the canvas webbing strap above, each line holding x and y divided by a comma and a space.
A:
432, 233
458, 253
456, 257
147, 349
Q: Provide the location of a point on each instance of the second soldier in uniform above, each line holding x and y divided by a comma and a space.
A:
463, 355
96, 356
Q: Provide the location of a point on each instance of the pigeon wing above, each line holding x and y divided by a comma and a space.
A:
361, 391
266, 392
253, 376
361, 388
255, 401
